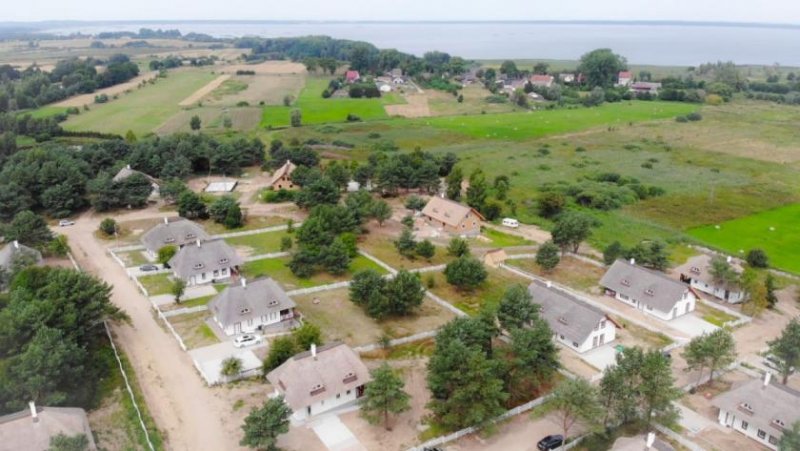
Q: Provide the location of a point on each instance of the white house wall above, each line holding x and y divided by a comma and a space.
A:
730, 420
684, 306
734, 297
251, 325
609, 333
207, 277
325, 405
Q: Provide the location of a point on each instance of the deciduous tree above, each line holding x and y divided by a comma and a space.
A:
575, 401
571, 229
547, 256
458, 247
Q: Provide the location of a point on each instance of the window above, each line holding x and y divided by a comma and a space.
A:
779, 423
603, 324
169, 240
649, 292
773, 440
746, 407
761, 434
575, 343
190, 236
338, 395
272, 302
626, 282
198, 266
744, 425
223, 260
244, 311
216, 273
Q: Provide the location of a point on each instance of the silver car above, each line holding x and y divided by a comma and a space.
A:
246, 340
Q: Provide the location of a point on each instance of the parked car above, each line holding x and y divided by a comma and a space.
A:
510, 222
550, 442
65, 223
146, 268
246, 340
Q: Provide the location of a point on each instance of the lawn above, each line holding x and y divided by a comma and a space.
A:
775, 231
570, 271
253, 223
341, 319
640, 336
258, 244
157, 284
382, 248
277, 269
317, 110
518, 126
712, 315
144, 109
490, 292
133, 258
193, 330
502, 239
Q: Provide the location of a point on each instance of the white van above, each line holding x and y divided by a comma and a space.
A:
510, 222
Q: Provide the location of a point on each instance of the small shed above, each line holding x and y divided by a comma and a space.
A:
221, 187
494, 258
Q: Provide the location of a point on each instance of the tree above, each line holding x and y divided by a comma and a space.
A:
571, 229
713, 351
191, 206
790, 440
338, 173
426, 249
263, 426
453, 182
551, 203
755, 291
477, 190
195, 122
786, 349
281, 350
381, 211
466, 273
540, 68
404, 293
415, 203
62, 442
227, 122
657, 389
286, 243
769, 288
516, 308
757, 258
108, 226
335, 259
458, 247
177, 289
231, 367
405, 244
534, 357
509, 68
296, 118
384, 395
306, 335
575, 401
365, 286
29, 229
612, 252
601, 67
318, 192
166, 253
722, 272
547, 256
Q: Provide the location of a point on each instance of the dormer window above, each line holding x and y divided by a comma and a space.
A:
223, 261
190, 236
746, 407
349, 377
695, 270
169, 240
244, 311
198, 266
649, 292
562, 320
779, 423
272, 302
626, 282
317, 389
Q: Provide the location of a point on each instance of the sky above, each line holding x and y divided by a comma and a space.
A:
764, 11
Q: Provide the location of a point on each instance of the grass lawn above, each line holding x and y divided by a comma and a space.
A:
196, 302
712, 315
414, 350
253, 223
382, 247
317, 110
340, 319
516, 126
641, 336
133, 258
45, 111
193, 330
490, 292
277, 269
775, 231
142, 110
258, 244
502, 239
157, 284
570, 271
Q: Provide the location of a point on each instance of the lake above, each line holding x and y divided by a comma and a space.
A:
641, 43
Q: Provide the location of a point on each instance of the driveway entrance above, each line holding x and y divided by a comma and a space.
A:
335, 435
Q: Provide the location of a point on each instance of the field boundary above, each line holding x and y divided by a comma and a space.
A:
204, 91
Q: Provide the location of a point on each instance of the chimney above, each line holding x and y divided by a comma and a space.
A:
314, 351
166, 220
16, 244
651, 438
633, 261
129, 166
244, 282
549, 284
767, 378
34, 415
198, 242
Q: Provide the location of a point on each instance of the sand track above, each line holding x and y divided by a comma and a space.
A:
87, 99
204, 91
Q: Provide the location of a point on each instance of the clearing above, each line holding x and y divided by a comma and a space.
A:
572, 272
254, 89
111, 91
490, 292
260, 243
277, 269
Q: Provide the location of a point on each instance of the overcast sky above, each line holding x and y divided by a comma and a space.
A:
772, 11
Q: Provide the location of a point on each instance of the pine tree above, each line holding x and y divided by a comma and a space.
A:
263, 426
383, 396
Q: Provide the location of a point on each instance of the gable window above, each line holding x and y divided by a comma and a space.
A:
744, 425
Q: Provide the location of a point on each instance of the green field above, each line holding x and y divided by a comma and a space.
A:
277, 269
776, 231
317, 110
145, 109
533, 124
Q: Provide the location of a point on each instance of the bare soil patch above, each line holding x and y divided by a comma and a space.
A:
417, 106
267, 88
267, 67
205, 90
88, 99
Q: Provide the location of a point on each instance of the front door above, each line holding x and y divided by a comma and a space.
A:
602, 339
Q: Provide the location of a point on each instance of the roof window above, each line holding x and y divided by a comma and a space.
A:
626, 282
169, 239
244, 311
272, 302
317, 389
224, 260
349, 377
649, 292
198, 266
695, 270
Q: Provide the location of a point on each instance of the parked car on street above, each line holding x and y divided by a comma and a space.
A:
66, 222
510, 222
550, 442
146, 268
246, 340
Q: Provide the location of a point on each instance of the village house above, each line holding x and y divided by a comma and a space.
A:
649, 291
567, 78
396, 76
252, 306
352, 76
176, 232
14, 252
696, 273
126, 172
319, 380
452, 217
645, 87
576, 324
760, 409
544, 81
32, 428
624, 78
205, 262
282, 177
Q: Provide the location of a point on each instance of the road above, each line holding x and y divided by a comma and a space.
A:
181, 405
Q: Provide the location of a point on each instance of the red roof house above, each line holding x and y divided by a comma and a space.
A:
352, 76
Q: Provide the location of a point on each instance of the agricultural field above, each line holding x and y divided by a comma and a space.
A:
316, 110
212, 119
253, 89
474, 102
775, 231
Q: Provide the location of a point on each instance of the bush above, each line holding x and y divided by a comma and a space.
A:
415, 203
166, 253
282, 195
681, 119
108, 226
101, 98
694, 117
465, 273
353, 118
757, 258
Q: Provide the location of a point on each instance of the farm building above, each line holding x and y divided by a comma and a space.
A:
452, 217
252, 306
352, 76
221, 187
544, 81
205, 262
642, 87
319, 380
576, 324
282, 177
759, 409
176, 232
697, 273
649, 291
126, 172
494, 258
32, 429
566, 77
624, 78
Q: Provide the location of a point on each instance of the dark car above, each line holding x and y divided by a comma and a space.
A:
550, 442
146, 268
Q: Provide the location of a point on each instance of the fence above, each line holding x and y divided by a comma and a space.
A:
185, 311
688, 444
266, 256
428, 269
398, 341
445, 304
330, 286
276, 228
378, 262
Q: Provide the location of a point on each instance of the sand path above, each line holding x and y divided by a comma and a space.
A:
87, 99
204, 91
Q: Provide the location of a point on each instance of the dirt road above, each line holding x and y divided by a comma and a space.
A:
88, 99
204, 91
182, 406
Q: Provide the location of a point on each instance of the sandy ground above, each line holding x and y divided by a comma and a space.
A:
518, 434
267, 67
417, 106
87, 99
205, 90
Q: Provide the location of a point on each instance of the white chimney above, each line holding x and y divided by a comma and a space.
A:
198, 242
549, 284
651, 438
244, 282
16, 244
633, 261
34, 415
767, 378
166, 220
314, 351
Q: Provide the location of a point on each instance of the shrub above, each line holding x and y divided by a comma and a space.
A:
694, 117
282, 195
166, 253
465, 273
108, 226
415, 203
353, 118
681, 119
757, 258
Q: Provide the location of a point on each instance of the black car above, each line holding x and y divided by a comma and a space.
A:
146, 268
550, 442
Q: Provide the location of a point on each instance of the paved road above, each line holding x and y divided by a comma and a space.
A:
189, 414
